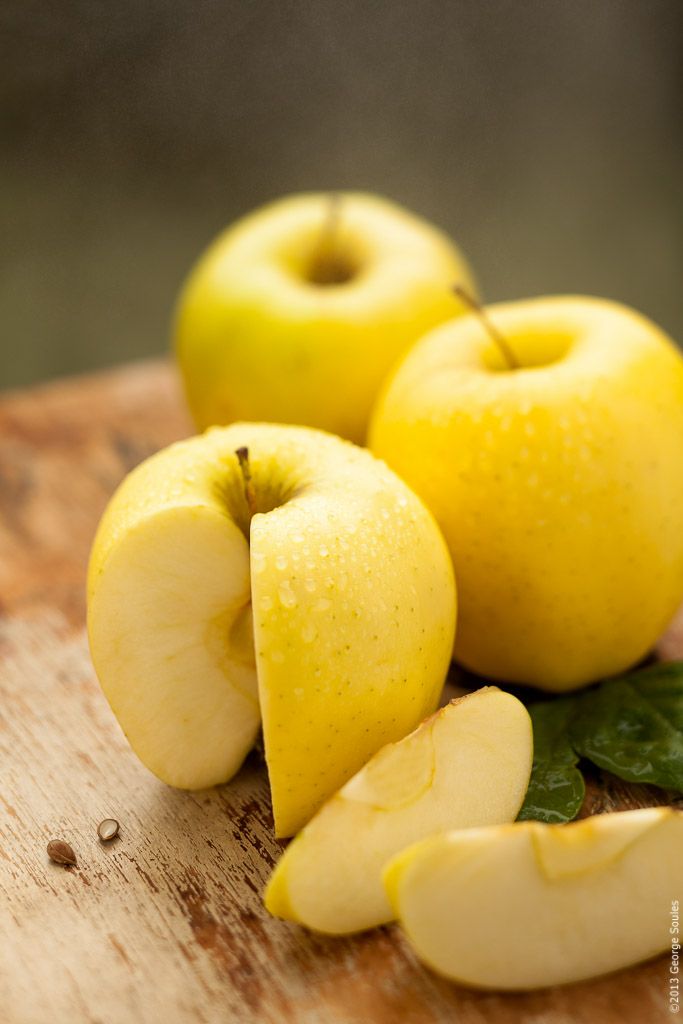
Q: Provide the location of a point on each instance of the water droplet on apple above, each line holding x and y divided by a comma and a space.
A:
266, 603
281, 562
308, 633
323, 605
323, 551
310, 585
258, 561
286, 595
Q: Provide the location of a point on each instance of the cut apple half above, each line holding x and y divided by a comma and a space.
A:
563, 902
466, 765
301, 584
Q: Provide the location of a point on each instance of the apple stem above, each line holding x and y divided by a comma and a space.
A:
325, 263
489, 327
245, 467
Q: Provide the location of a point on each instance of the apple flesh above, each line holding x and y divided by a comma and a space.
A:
567, 902
298, 311
466, 765
558, 485
329, 613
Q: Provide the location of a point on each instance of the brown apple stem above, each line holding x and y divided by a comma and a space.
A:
326, 265
489, 327
249, 492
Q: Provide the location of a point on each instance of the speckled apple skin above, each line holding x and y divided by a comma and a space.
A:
558, 486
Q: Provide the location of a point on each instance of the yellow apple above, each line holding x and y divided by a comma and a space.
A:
343, 572
558, 483
528, 905
297, 312
467, 765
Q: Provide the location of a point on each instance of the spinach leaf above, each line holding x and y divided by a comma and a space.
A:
633, 726
556, 788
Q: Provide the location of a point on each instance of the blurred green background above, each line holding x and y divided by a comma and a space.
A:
545, 135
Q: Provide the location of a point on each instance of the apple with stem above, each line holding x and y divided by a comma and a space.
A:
272, 574
548, 443
298, 311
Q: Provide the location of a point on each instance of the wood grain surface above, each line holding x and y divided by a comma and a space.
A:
165, 923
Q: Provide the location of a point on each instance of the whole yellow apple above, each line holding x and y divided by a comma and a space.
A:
557, 480
275, 574
297, 312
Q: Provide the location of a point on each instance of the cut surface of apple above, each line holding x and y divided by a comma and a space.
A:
567, 902
329, 612
298, 311
466, 765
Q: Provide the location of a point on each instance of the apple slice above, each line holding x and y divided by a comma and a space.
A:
343, 572
467, 765
568, 902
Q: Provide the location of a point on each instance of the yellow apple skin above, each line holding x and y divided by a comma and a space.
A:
563, 903
466, 765
345, 575
257, 339
558, 486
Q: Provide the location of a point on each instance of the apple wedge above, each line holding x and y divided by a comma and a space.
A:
466, 765
528, 905
275, 573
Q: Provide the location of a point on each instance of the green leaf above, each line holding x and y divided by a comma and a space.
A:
633, 726
556, 788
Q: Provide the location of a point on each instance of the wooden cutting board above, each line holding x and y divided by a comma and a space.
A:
165, 925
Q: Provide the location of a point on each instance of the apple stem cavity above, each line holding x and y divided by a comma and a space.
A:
245, 468
329, 265
498, 339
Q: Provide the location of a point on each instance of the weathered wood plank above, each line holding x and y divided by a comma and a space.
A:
165, 923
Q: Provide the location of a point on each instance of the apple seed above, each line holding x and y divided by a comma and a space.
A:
108, 829
61, 853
